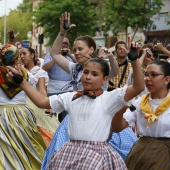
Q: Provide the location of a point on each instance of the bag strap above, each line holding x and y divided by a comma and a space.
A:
123, 74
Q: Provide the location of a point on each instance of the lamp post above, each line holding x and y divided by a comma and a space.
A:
5, 24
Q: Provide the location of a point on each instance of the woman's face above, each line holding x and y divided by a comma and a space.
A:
92, 77
26, 56
155, 80
82, 52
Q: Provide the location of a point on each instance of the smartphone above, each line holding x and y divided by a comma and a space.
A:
66, 25
11, 35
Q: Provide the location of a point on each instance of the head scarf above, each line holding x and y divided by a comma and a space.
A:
9, 54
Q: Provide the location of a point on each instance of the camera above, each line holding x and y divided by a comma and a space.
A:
64, 52
148, 55
11, 35
66, 25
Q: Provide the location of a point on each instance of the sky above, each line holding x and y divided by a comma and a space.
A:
10, 4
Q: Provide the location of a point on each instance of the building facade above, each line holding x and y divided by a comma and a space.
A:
159, 32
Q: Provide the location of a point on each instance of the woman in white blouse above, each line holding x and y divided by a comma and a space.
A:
45, 123
152, 121
21, 144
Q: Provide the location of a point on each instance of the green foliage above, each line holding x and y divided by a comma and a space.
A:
82, 14
19, 22
26, 7
123, 13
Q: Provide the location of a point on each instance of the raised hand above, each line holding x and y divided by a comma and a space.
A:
12, 34
132, 53
103, 52
65, 23
15, 74
129, 42
159, 46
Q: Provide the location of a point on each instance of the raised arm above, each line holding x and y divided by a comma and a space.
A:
161, 48
49, 65
37, 98
72, 56
118, 122
114, 66
57, 46
41, 86
105, 53
141, 59
138, 78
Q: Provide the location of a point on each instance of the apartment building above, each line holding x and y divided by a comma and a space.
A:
159, 31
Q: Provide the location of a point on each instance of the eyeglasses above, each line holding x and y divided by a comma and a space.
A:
152, 74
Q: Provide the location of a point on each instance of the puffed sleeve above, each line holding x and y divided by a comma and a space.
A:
114, 100
32, 80
42, 73
130, 116
60, 102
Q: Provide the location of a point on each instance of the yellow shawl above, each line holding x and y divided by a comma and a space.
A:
147, 110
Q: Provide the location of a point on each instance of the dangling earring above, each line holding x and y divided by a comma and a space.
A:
165, 85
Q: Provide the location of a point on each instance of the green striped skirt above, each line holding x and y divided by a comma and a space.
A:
149, 154
21, 144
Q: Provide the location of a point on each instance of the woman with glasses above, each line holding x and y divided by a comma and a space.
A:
152, 117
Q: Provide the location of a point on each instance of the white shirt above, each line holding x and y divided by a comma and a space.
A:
41, 61
38, 72
89, 119
19, 98
160, 128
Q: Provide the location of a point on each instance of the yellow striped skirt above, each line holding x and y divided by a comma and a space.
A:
21, 144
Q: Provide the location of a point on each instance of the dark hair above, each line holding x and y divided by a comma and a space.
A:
164, 66
103, 64
36, 61
119, 42
88, 40
31, 50
151, 47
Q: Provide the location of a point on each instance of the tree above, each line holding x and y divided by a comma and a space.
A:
26, 7
122, 13
82, 14
19, 22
